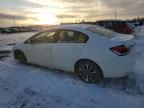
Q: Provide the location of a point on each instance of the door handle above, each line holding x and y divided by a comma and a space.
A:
47, 48
76, 48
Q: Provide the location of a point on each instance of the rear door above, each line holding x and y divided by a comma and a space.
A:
68, 47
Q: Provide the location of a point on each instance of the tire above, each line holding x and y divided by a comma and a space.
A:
88, 71
20, 57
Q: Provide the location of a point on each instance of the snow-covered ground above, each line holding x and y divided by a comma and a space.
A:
7, 40
139, 30
30, 86
14, 37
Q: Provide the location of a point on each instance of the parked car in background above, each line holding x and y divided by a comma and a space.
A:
92, 52
20, 29
116, 25
5, 30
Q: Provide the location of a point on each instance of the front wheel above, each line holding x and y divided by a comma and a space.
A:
88, 71
20, 57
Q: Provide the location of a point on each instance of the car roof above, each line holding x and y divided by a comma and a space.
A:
74, 26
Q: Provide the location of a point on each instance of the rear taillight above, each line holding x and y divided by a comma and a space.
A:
120, 50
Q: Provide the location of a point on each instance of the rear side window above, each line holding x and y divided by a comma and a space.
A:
70, 36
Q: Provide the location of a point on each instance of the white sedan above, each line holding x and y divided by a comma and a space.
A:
90, 51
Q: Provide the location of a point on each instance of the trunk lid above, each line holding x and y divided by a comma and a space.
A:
125, 39
122, 37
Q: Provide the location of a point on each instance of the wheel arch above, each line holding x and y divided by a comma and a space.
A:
18, 51
74, 67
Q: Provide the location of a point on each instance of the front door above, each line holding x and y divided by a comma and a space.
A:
40, 48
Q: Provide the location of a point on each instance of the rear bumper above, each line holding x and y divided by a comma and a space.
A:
118, 67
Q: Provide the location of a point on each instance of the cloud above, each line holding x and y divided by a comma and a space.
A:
17, 17
79, 1
72, 9
129, 8
66, 16
19, 4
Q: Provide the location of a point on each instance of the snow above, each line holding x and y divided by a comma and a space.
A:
35, 87
139, 31
7, 40
31, 86
14, 37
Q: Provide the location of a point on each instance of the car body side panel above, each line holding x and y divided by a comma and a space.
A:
40, 54
63, 54
22, 47
37, 54
111, 64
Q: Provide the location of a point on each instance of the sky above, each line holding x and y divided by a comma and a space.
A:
27, 12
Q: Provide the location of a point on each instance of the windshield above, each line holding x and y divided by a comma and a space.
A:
102, 32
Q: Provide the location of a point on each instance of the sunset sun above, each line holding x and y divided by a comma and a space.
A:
46, 18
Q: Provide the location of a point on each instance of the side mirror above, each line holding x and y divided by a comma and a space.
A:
30, 41
27, 42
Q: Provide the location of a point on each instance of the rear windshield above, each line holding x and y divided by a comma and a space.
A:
102, 32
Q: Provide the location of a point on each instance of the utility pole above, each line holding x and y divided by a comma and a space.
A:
61, 19
115, 15
14, 20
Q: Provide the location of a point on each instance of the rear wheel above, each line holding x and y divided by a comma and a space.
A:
88, 71
20, 56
